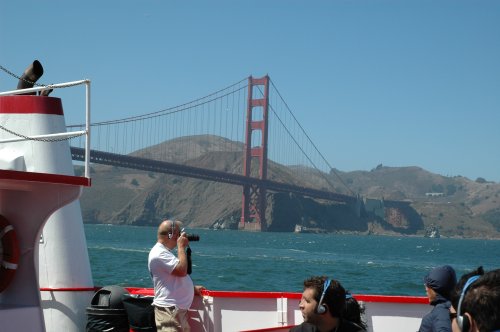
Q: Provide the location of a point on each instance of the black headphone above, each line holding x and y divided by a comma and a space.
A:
462, 320
171, 234
321, 308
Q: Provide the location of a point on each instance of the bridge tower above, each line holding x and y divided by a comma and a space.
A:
253, 210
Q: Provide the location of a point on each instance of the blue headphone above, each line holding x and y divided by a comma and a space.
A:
463, 322
321, 308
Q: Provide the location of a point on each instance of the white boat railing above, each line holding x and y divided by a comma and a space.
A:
70, 134
220, 311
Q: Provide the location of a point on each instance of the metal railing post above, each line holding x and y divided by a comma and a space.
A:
87, 129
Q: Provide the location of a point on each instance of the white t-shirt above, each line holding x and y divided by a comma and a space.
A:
170, 290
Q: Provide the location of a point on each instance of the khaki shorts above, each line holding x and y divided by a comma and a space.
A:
171, 319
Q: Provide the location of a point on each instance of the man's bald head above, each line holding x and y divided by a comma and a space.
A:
168, 229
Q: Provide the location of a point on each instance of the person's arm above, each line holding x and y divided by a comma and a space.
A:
180, 269
442, 320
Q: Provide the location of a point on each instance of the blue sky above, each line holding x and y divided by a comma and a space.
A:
398, 83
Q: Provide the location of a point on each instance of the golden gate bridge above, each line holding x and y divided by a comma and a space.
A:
249, 119
247, 123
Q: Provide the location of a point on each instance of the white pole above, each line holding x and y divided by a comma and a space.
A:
87, 129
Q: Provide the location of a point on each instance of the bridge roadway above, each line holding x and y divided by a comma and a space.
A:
149, 165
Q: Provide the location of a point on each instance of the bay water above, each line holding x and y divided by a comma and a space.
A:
250, 261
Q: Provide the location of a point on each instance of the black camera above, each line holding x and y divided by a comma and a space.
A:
193, 237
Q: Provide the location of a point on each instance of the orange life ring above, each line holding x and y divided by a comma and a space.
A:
9, 253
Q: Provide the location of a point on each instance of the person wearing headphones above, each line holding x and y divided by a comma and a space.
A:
173, 288
439, 284
323, 307
476, 302
455, 295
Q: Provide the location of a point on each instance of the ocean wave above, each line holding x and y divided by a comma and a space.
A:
119, 249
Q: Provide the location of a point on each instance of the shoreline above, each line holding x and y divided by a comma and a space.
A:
340, 232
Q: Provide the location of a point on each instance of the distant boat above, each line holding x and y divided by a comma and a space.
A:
304, 229
222, 224
432, 232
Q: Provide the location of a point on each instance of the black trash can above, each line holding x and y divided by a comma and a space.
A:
140, 312
106, 311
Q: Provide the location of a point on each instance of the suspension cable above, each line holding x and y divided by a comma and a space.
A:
174, 109
314, 145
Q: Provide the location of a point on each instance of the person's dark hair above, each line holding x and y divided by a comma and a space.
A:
354, 311
334, 297
455, 295
482, 301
